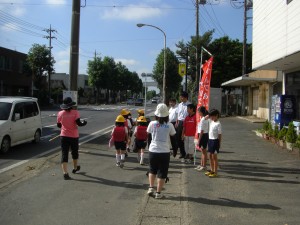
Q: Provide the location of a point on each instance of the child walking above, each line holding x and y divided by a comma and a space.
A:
203, 137
120, 136
188, 133
140, 134
68, 121
214, 141
159, 132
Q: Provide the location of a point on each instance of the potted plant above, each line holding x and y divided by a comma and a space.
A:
281, 137
297, 144
291, 136
266, 130
271, 133
275, 133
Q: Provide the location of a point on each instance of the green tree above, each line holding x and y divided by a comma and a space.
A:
228, 55
192, 47
40, 61
97, 76
173, 79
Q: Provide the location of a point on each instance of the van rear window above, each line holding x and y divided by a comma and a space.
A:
5, 108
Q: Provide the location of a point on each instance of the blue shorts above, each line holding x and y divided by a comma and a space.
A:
203, 141
213, 146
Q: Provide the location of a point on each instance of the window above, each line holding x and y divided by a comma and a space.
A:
5, 110
21, 66
19, 108
2, 62
30, 109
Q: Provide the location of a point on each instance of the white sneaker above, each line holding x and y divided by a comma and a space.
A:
202, 168
150, 191
197, 168
118, 164
182, 160
141, 162
159, 195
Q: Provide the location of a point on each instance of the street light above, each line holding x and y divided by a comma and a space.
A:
165, 40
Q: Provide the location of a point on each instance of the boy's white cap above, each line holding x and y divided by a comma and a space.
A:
161, 110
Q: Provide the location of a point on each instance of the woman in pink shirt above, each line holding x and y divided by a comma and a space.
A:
68, 119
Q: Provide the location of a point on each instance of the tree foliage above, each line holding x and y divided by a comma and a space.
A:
40, 61
228, 56
228, 60
107, 74
173, 79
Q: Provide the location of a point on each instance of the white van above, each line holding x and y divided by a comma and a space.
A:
20, 121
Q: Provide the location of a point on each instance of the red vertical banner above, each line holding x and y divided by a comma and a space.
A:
204, 86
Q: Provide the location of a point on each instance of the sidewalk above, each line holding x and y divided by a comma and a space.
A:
257, 184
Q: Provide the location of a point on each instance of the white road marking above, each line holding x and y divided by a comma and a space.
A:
82, 140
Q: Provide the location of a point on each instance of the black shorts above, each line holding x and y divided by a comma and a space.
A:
159, 164
67, 144
140, 144
213, 146
204, 140
120, 145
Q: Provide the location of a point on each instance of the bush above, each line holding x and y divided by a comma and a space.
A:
266, 126
282, 134
297, 144
270, 131
291, 135
276, 132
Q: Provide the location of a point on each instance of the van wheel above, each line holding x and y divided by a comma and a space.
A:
5, 145
37, 137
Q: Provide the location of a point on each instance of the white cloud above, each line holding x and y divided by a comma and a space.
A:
132, 12
9, 27
127, 62
56, 2
16, 9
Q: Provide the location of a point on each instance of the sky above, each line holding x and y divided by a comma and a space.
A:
108, 27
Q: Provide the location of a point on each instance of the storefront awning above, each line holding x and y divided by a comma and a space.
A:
246, 81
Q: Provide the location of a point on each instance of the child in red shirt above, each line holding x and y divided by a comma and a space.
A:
141, 135
188, 133
120, 137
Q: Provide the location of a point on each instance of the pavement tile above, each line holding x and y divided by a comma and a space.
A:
151, 220
162, 208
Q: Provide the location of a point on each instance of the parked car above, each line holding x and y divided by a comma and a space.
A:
20, 121
130, 101
139, 101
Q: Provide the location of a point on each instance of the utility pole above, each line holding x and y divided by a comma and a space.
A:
247, 5
197, 43
50, 37
186, 68
245, 39
74, 48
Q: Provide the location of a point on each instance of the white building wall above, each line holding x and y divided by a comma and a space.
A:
276, 30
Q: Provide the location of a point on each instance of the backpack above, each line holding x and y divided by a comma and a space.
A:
141, 133
119, 134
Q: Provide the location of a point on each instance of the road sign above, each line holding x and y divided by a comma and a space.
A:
182, 69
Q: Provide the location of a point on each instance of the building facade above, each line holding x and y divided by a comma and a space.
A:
13, 80
276, 42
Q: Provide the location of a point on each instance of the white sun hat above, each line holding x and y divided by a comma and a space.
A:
161, 110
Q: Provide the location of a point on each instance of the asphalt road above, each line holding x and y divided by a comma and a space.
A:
99, 118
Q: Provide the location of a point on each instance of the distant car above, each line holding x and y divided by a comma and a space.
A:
130, 101
139, 102
154, 101
20, 121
